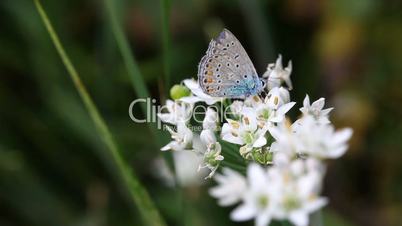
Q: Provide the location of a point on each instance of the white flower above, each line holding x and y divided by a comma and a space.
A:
182, 139
252, 101
236, 107
274, 107
230, 189
212, 155
198, 94
277, 97
177, 112
259, 201
276, 74
299, 191
245, 132
286, 142
316, 109
279, 192
212, 158
280, 158
211, 119
186, 168
207, 137
321, 140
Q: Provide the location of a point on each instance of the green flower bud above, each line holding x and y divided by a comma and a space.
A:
245, 152
179, 91
262, 156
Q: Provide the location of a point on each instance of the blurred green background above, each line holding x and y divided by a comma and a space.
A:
53, 166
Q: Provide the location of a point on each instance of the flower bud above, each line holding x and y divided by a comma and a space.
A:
262, 156
179, 91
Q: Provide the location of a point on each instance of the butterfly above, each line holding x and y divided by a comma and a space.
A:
227, 71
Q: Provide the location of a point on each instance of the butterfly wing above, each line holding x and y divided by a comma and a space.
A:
222, 72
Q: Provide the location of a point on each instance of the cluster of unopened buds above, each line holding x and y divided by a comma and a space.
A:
271, 167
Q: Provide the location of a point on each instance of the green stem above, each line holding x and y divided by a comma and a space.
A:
239, 168
165, 17
230, 157
134, 73
138, 193
316, 218
131, 65
231, 150
286, 223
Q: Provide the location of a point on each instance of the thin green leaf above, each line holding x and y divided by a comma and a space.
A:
138, 193
165, 17
132, 68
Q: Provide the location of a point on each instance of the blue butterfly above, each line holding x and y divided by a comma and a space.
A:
227, 71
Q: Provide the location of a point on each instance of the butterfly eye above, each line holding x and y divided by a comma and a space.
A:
237, 81
232, 43
218, 75
210, 60
263, 83
228, 64
245, 76
217, 69
219, 81
237, 65
219, 65
225, 48
218, 88
227, 45
236, 56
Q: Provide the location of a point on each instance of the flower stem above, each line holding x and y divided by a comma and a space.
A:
230, 150
316, 218
138, 193
286, 223
237, 167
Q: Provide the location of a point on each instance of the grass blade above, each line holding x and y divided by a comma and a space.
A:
134, 73
138, 193
165, 17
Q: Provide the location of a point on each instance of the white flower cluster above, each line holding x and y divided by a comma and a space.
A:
285, 169
280, 192
184, 139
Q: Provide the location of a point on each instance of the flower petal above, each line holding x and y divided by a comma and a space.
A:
243, 212
318, 104
208, 137
256, 176
342, 136
299, 218
263, 219
261, 141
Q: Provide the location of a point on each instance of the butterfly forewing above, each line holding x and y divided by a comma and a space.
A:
224, 66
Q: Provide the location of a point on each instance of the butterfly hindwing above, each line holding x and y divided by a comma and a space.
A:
226, 68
